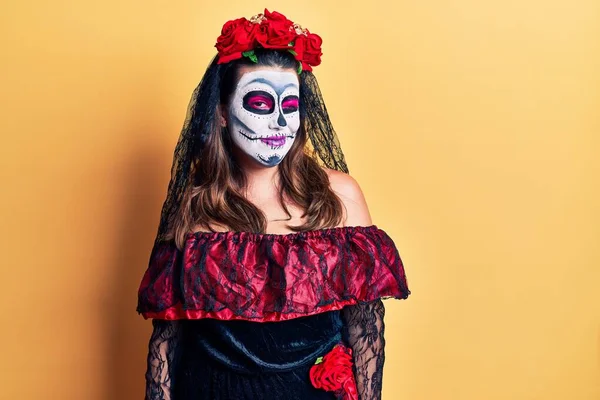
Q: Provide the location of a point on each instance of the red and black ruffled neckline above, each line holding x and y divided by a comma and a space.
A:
283, 236
270, 277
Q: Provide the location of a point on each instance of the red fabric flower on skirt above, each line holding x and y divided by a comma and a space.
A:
333, 373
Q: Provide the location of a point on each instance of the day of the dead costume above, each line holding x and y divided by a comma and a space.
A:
247, 315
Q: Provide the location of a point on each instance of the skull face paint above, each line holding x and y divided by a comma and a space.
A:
263, 114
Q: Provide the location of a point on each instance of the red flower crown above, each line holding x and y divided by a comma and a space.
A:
271, 30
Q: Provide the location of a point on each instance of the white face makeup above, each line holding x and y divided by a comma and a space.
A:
264, 114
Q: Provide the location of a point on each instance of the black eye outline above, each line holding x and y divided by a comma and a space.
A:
248, 107
290, 110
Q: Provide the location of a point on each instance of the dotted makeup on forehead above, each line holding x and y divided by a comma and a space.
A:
269, 30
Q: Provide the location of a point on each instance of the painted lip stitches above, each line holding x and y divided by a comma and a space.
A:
274, 141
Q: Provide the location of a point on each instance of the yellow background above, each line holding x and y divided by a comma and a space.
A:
472, 126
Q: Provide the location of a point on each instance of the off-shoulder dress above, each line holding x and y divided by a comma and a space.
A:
241, 315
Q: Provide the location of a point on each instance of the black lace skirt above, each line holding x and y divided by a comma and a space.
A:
242, 360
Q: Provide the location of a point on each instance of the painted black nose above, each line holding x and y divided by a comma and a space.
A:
281, 121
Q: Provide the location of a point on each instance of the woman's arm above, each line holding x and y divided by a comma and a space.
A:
363, 323
162, 351
363, 331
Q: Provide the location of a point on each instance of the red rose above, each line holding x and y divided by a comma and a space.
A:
299, 46
312, 51
278, 18
334, 373
236, 37
276, 32
349, 390
308, 50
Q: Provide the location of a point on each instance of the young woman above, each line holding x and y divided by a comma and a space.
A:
267, 274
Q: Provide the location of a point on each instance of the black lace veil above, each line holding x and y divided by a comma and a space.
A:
322, 141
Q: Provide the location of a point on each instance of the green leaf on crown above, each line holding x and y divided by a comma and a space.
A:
250, 54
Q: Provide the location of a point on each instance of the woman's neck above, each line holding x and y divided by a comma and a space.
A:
261, 182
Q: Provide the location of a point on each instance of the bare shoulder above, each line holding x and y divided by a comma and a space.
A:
352, 197
344, 185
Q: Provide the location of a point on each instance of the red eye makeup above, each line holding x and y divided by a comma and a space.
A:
290, 104
259, 102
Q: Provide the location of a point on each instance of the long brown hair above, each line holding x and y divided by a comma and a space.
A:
215, 194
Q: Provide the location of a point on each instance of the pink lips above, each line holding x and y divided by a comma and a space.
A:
275, 141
